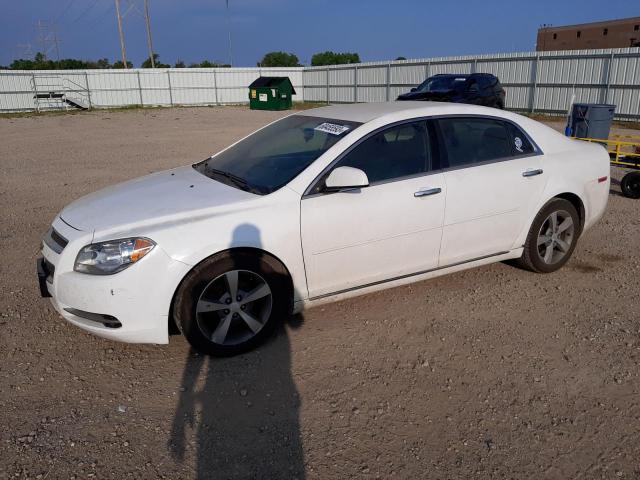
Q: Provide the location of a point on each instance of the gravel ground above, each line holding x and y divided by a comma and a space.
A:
492, 373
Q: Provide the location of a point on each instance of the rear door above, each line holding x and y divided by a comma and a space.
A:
494, 177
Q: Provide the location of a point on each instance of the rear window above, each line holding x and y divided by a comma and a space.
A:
443, 84
485, 81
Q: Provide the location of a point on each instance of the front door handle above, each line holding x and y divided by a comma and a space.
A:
532, 173
427, 191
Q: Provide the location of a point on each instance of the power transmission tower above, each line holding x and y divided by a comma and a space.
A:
48, 39
149, 40
121, 33
24, 50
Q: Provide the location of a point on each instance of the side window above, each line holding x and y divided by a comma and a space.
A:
397, 152
468, 141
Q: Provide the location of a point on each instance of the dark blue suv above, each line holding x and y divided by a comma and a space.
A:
476, 88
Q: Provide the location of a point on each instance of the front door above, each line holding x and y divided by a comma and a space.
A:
387, 230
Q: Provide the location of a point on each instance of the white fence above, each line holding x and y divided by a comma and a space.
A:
119, 88
541, 82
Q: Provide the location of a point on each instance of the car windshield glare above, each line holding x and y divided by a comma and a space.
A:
440, 84
271, 157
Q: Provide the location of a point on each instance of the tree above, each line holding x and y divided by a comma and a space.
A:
204, 64
179, 64
119, 64
103, 63
279, 59
40, 62
156, 60
208, 64
332, 58
401, 58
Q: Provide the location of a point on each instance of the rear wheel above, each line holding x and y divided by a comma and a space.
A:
552, 237
231, 302
630, 185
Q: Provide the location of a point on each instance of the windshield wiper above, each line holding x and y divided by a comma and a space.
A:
239, 181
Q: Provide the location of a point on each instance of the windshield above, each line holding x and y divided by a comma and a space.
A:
440, 84
270, 158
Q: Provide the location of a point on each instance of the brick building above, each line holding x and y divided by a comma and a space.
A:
608, 34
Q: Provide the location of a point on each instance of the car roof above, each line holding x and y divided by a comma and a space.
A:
366, 112
463, 75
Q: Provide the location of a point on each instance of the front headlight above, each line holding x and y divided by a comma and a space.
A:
106, 258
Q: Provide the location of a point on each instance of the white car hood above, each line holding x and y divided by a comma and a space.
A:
149, 199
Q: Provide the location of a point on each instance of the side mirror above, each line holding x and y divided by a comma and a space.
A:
343, 178
414, 89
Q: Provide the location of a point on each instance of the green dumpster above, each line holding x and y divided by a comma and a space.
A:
271, 93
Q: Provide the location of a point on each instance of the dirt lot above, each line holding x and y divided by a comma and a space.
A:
491, 373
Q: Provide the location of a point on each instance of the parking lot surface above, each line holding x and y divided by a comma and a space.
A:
494, 372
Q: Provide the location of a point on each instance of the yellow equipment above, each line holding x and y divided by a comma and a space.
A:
624, 151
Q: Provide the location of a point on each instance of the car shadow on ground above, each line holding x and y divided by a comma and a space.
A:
242, 413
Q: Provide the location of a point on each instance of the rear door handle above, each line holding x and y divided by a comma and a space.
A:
427, 191
532, 173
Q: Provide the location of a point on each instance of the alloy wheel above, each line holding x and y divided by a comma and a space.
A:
555, 237
234, 307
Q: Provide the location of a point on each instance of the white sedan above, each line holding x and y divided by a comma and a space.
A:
318, 206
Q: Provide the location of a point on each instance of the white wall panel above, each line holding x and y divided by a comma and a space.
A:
534, 81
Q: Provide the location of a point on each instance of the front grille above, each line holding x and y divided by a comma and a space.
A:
55, 241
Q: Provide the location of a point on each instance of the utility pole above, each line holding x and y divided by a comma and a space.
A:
122, 47
149, 41
229, 28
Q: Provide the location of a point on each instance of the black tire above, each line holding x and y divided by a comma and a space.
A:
630, 185
201, 277
532, 259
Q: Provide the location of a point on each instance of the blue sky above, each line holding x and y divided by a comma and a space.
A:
193, 30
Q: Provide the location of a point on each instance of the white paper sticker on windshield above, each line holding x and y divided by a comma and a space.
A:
332, 128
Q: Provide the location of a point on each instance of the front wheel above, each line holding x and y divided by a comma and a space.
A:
231, 302
552, 237
630, 185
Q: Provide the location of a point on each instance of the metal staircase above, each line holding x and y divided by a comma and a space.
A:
56, 92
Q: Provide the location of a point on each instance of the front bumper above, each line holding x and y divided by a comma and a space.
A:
129, 306
42, 270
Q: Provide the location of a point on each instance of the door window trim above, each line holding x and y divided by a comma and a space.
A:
536, 149
322, 175
441, 150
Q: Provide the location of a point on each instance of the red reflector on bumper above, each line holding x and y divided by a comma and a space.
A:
602, 179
